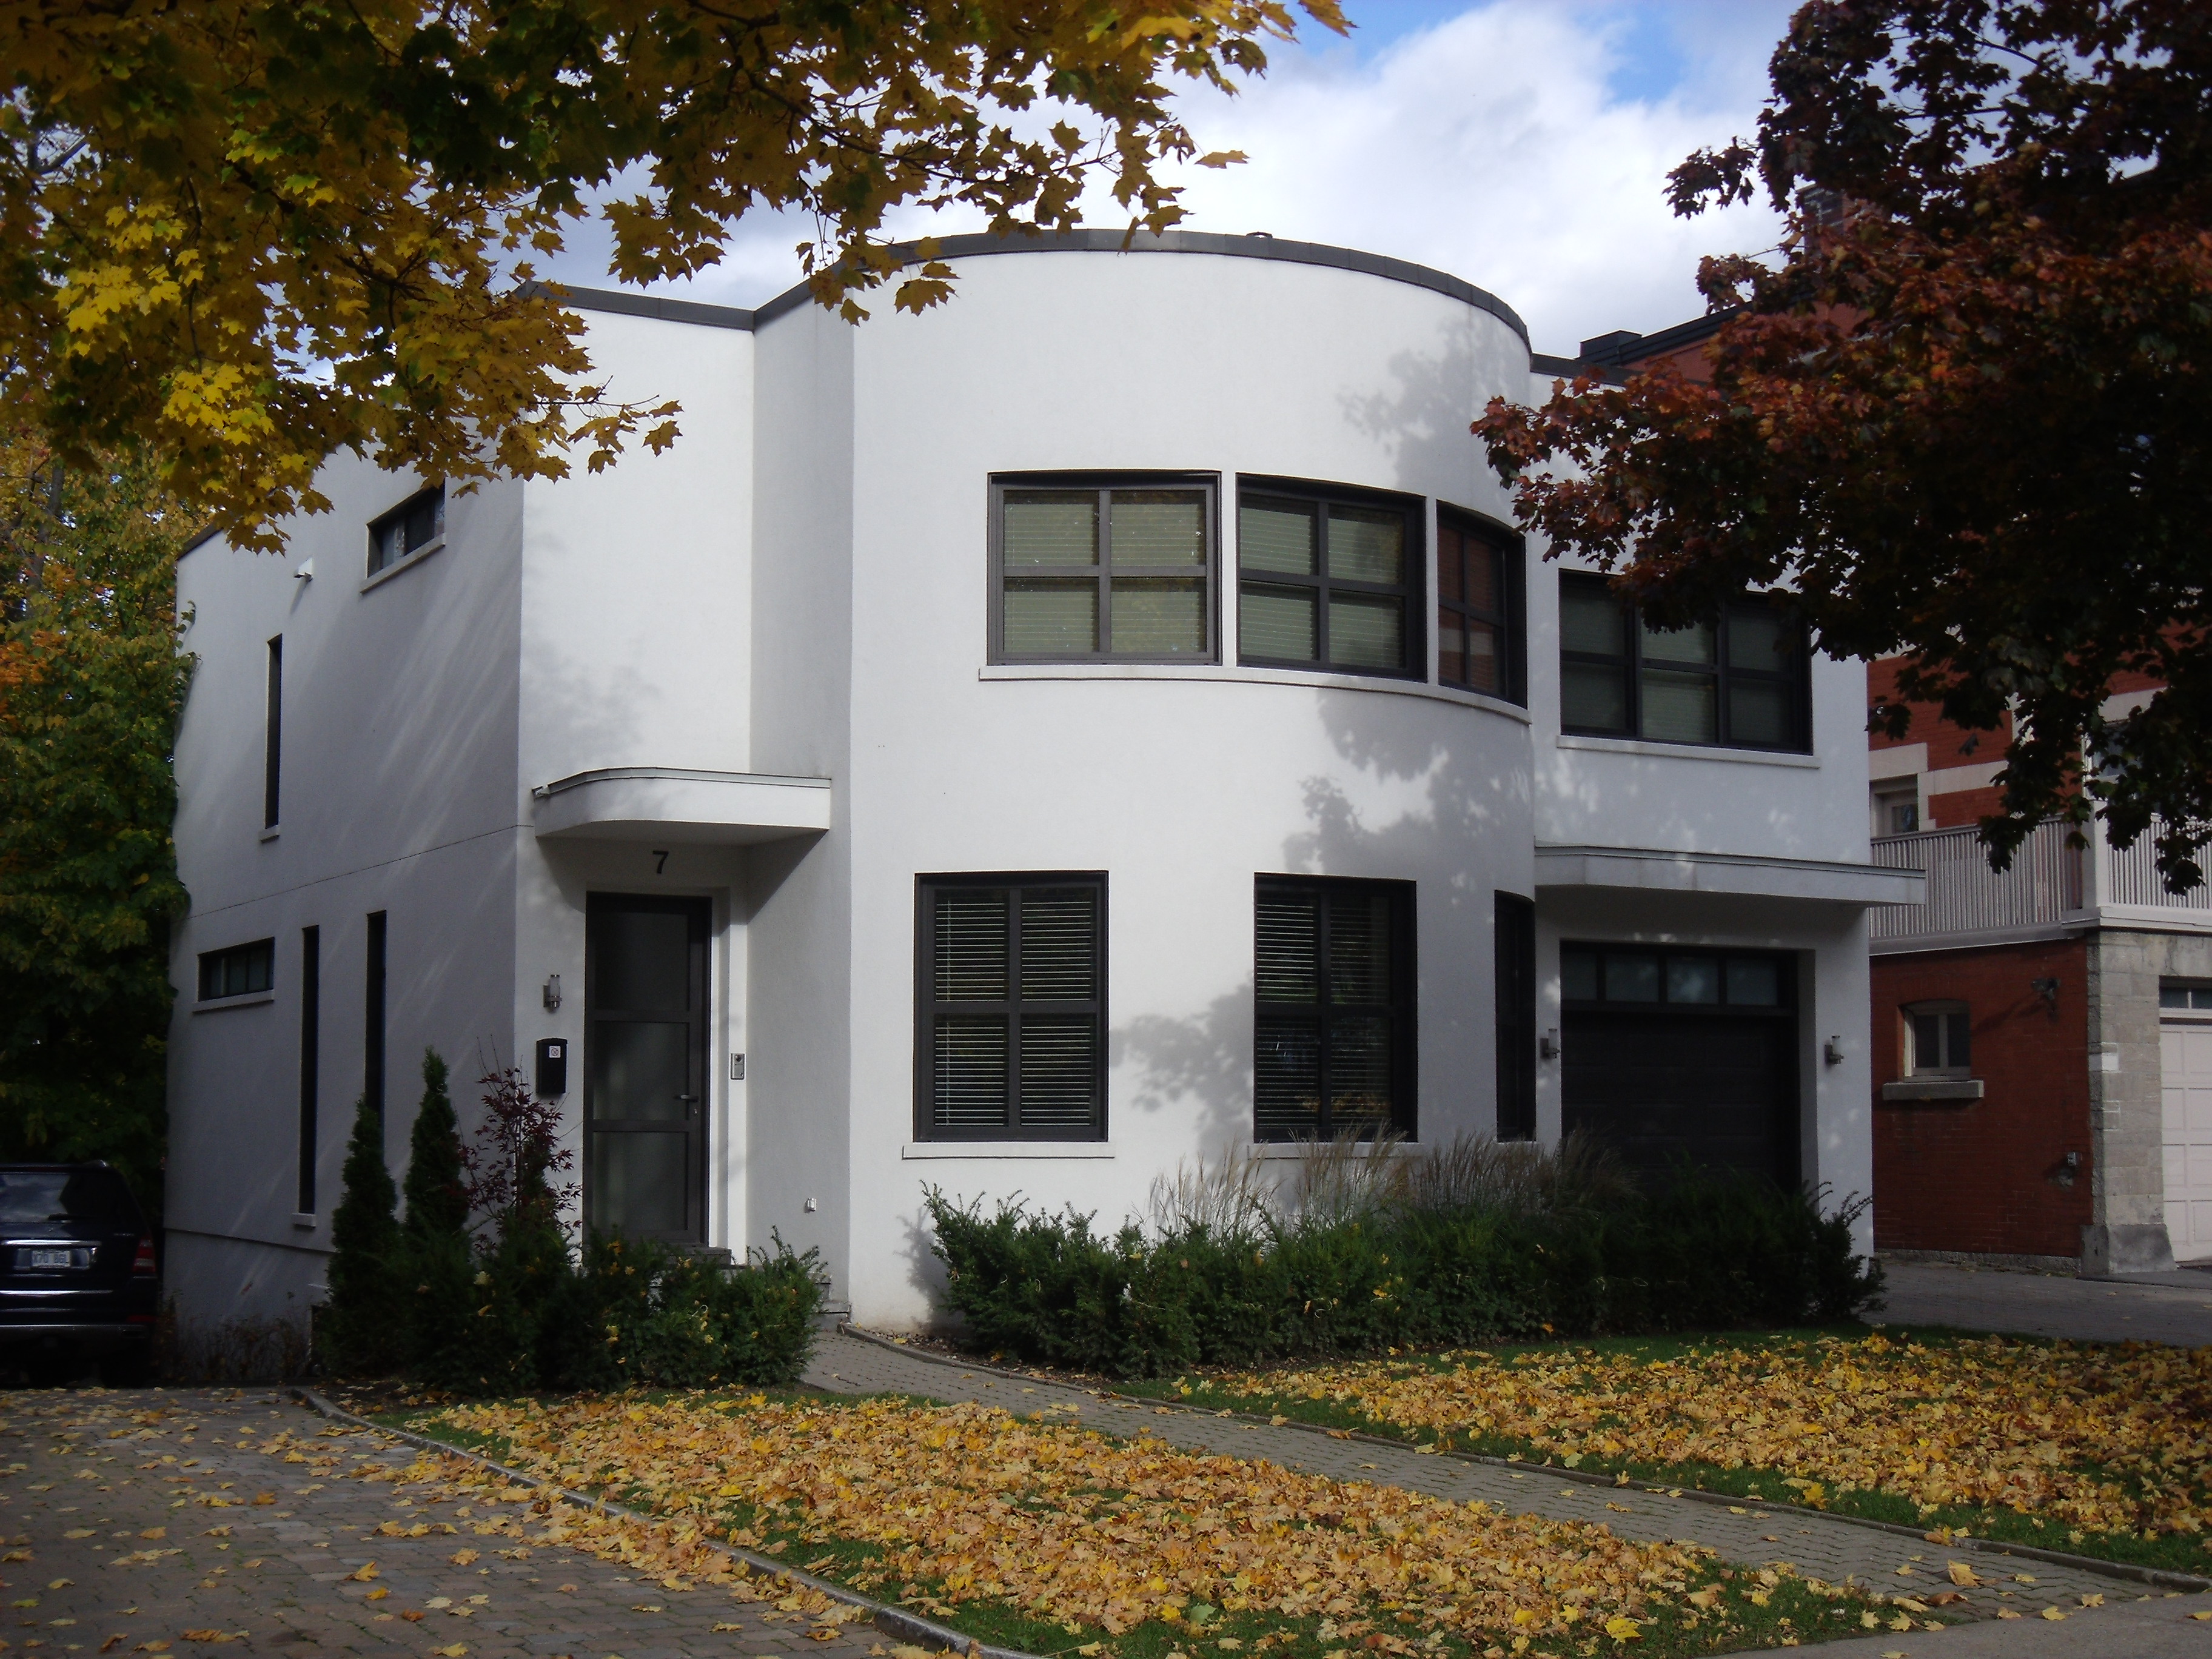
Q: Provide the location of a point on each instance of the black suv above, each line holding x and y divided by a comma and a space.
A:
77, 1277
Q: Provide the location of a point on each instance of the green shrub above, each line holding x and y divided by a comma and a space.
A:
1469, 1244
505, 1308
362, 1327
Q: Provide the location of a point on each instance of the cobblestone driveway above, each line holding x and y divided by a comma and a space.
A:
169, 1523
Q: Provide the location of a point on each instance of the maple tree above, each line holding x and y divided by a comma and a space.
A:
90, 687
1962, 415
249, 233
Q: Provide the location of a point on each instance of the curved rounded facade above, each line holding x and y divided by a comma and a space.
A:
1104, 722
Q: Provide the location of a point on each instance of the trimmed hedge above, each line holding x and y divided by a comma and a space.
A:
1709, 1253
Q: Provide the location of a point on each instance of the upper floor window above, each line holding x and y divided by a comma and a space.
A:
1479, 630
1333, 980
1327, 580
1938, 1040
1897, 807
1010, 1017
2197, 998
1741, 680
240, 970
1091, 570
414, 525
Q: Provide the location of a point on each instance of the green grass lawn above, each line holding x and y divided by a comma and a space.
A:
2174, 1553
1749, 1608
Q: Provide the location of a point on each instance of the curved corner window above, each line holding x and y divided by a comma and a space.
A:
1938, 1040
1096, 569
1741, 680
1329, 581
415, 525
1481, 616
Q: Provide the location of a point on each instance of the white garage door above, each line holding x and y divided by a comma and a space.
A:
2185, 1056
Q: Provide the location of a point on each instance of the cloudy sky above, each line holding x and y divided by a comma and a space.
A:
1522, 144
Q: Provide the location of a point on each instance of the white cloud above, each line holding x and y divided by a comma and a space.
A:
1522, 144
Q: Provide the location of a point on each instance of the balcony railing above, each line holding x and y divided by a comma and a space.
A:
2049, 885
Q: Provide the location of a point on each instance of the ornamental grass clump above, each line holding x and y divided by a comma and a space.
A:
1369, 1246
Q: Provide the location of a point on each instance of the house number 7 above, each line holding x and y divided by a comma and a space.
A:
659, 861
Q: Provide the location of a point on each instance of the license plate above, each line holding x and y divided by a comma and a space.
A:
52, 1259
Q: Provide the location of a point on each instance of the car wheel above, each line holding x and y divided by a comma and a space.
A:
126, 1371
53, 1371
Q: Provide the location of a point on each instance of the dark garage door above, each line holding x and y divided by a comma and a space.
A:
1674, 1056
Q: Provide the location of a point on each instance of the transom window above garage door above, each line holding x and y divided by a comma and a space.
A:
1650, 976
2175, 997
1092, 569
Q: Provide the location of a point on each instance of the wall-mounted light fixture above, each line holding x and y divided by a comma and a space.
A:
2047, 988
552, 993
1832, 1051
1547, 1046
306, 572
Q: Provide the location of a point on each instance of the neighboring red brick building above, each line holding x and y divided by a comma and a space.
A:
2041, 1037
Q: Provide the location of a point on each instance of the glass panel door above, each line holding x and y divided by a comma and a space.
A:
645, 1088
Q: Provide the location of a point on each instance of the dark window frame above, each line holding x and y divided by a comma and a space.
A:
1514, 965
1629, 663
432, 495
215, 967
1104, 483
377, 957
311, 1064
1414, 645
1403, 1009
272, 758
1510, 619
928, 1007
1785, 962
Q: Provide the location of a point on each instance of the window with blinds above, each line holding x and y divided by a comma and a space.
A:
1102, 570
1741, 680
1480, 614
1011, 1025
1329, 582
1332, 986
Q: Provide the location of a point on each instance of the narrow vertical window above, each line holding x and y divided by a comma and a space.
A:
1515, 948
1010, 1038
1479, 628
1333, 1031
273, 738
310, 1058
371, 1044
1326, 582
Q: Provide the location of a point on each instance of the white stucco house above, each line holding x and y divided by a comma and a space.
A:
1106, 719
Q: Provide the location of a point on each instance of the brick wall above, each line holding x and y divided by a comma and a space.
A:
1957, 807
1948, 745
1986, 1175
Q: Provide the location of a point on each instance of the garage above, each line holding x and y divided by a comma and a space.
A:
1681, 1055
2185, 1042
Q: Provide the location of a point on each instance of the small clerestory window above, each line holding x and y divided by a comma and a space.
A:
1938, 1040
414, 527
237, 970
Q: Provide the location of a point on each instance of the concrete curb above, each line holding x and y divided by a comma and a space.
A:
894, 1622
2153, 1576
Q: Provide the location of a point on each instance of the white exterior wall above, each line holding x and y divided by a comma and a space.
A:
800, 589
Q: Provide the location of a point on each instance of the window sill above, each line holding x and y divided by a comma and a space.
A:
1688, 751
306, 1224
1934, 1088
250, 1000
1218, 673
1028, 1149
271, 833
1278, 1149
407, 563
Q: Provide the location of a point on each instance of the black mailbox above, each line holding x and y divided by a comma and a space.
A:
552, 1067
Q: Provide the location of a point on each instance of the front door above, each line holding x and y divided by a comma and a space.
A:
645, 1067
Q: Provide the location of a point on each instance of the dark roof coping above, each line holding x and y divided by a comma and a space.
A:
1074, 241
1543, 362
1622, 347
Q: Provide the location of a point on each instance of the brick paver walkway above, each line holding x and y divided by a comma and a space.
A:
2051, 1304
115, 1546
1815, 1545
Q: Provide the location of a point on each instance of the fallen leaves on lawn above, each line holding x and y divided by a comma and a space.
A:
2100, 1438
979, 1505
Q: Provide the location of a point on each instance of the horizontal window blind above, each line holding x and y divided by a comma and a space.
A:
1104, 572
1012, 1008
1332, 1016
